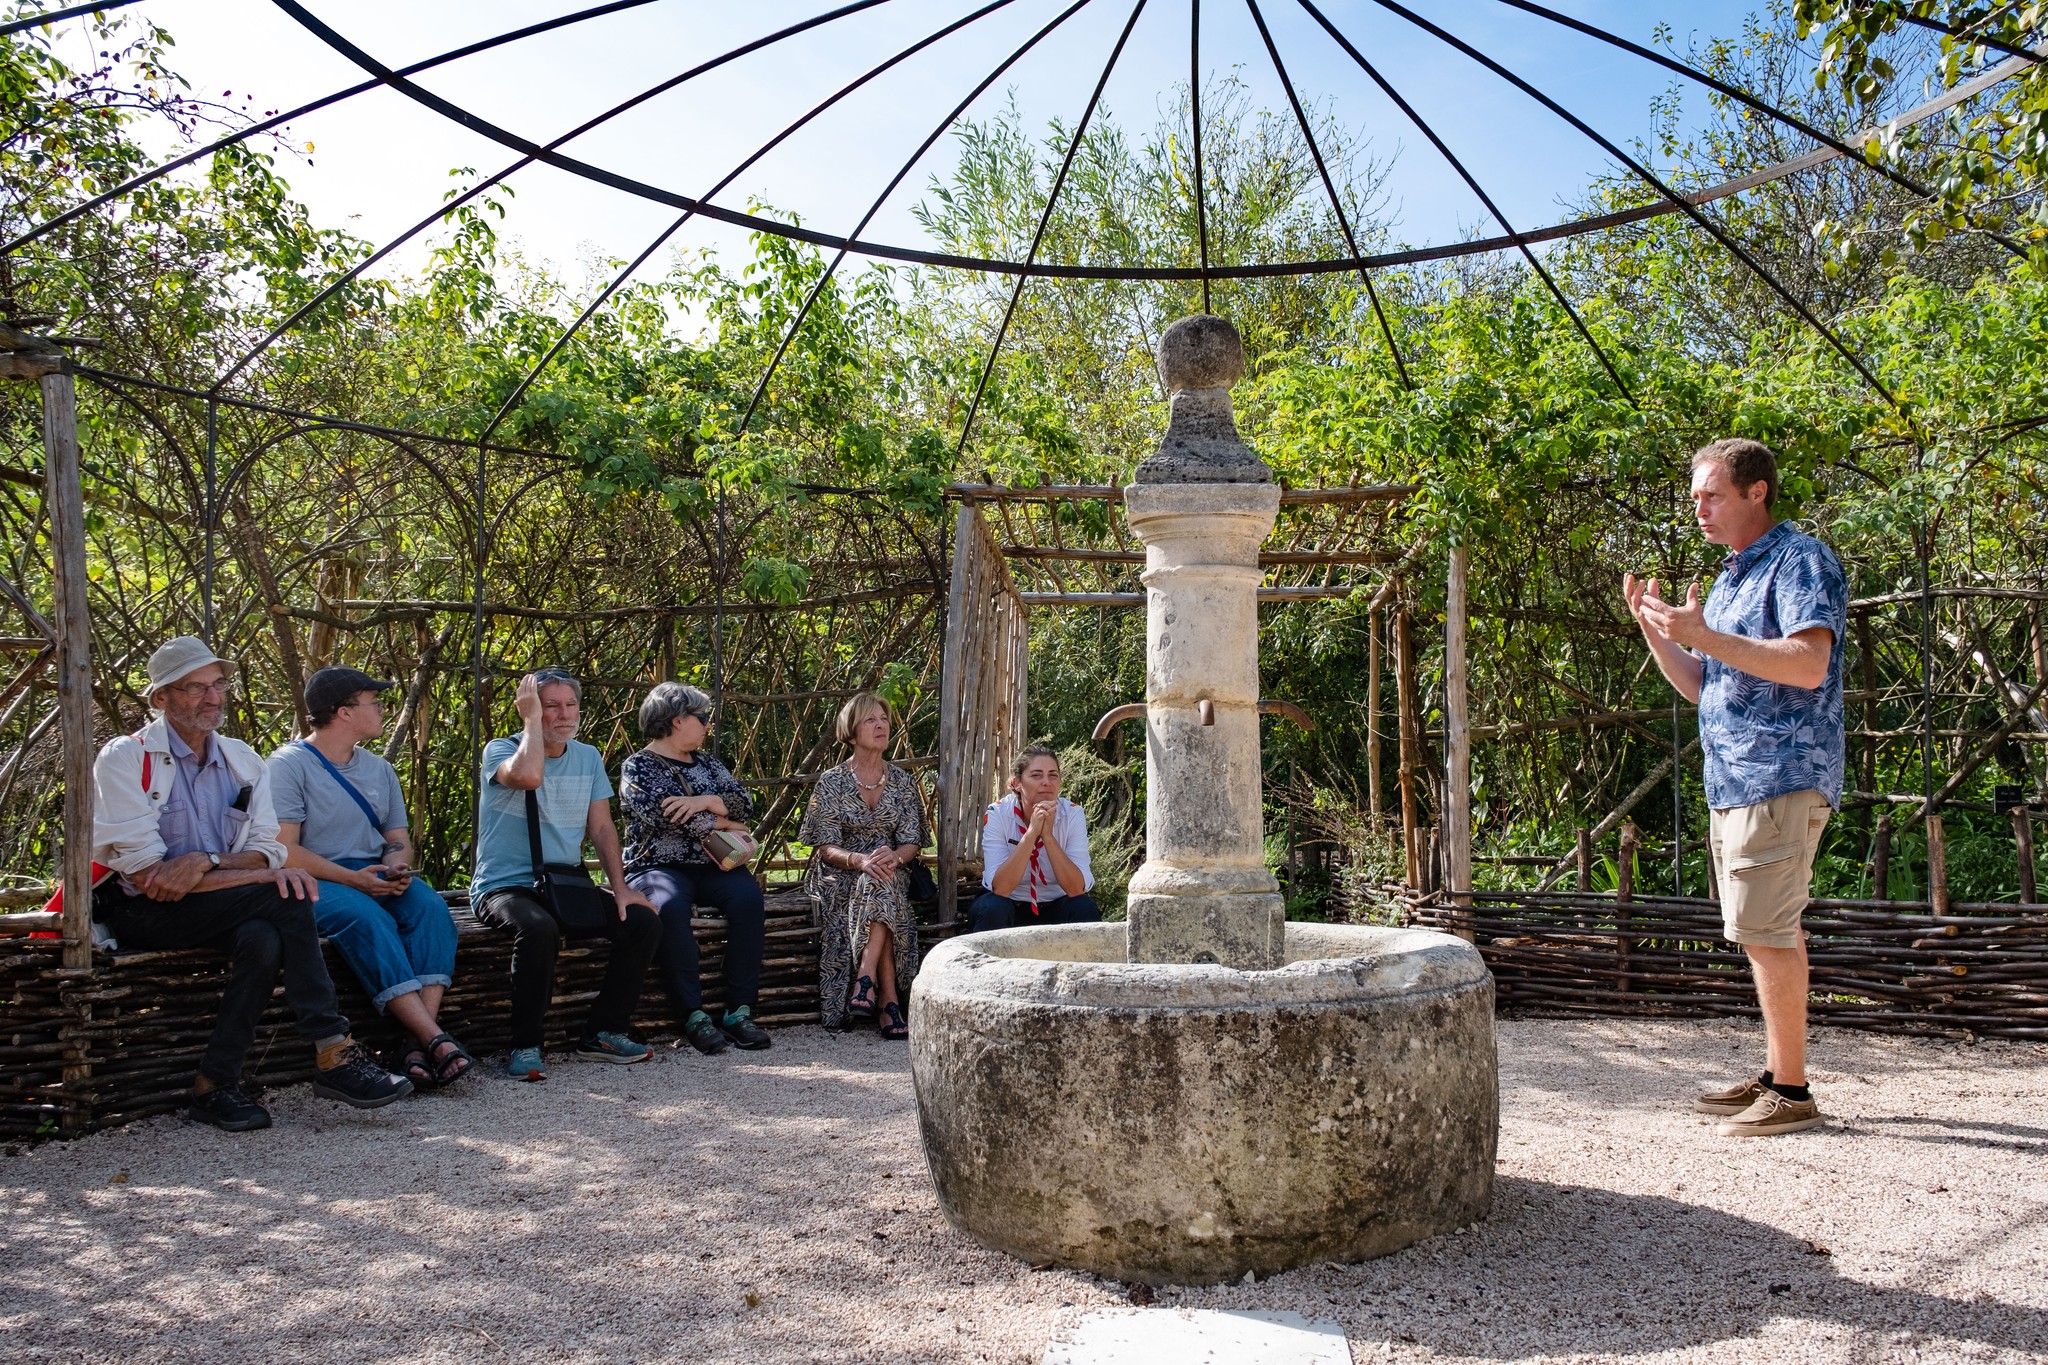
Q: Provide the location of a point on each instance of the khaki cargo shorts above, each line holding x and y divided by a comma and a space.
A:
1763, 862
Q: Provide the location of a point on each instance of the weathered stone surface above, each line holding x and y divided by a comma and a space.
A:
1204, 814
1184, 1123
1200, 357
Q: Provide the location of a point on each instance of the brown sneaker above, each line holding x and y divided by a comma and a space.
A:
1733, 1100
1771, 1115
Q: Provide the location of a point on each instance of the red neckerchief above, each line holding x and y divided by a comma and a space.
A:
1024, 828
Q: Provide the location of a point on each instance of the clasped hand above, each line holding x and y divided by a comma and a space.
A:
1683, 623
881, 864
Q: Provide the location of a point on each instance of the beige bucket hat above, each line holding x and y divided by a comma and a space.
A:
177, 657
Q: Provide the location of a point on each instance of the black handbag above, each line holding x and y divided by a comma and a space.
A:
921, 886
579, 904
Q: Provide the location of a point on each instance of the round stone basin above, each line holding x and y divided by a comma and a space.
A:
1182, 1124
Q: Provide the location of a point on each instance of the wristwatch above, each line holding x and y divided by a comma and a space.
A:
213, 858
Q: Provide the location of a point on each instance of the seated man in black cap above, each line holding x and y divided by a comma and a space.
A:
182, 820
342, 818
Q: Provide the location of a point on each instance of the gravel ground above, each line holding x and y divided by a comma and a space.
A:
772, 1207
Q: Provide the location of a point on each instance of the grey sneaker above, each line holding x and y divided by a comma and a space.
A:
613, 1047
1733, 1100
1771, 1115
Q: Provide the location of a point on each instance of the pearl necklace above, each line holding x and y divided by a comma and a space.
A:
874, 786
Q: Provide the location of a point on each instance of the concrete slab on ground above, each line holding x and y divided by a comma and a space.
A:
1198, 1336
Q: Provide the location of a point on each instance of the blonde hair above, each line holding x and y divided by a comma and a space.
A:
857, 709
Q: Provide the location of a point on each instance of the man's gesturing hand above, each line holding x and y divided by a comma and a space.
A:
1682, 623
526, 699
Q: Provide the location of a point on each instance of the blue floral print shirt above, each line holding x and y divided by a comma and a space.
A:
1765, 739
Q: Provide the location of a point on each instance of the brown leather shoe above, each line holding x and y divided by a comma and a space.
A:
1733, 1100
1771, 1115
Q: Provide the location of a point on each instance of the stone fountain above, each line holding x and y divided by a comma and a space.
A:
1206, 1089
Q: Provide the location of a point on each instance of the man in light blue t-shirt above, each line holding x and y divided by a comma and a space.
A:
561, 782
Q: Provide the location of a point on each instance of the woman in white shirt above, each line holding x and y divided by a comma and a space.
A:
1034, 852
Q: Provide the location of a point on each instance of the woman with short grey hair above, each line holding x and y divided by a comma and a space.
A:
673, 793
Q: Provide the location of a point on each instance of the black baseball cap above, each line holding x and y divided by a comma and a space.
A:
332, 687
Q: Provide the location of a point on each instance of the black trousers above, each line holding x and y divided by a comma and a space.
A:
537, 935
262, 933
675, 888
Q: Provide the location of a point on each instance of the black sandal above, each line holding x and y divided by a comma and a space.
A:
862, 1006
416, 1065
894, 1026
453, 1067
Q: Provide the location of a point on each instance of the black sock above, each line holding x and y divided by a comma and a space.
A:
1798, 1093
1766, 1079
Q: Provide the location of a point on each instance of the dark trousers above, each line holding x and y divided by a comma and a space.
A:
991, 911
675, 888
536, 936
262, 934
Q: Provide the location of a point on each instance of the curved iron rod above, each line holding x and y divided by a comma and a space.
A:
1472, 183
884, 251
1742, 96
1052, 199
1330, 188
1965, 36
618, 281
1195, 113
52, 16
817, 288
1649, 177
531, 155
256, 130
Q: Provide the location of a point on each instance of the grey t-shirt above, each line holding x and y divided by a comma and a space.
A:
330, 823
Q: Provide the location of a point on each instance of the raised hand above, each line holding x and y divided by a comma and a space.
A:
526, 700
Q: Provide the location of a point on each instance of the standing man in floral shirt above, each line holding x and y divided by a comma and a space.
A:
1763, 659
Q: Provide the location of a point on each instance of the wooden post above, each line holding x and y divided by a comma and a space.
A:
1937, 867
1624, 890
1868, 774
1457, 813
64, 496
1408, 705
2023, 849
1584, 853
1881, 859
1373, 623
952, 694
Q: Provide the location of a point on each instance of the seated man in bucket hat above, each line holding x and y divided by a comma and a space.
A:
341, 817
182, 820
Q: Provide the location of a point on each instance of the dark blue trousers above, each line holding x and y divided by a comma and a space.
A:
991, 911
675, 888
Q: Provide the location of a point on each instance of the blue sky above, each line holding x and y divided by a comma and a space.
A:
381, 161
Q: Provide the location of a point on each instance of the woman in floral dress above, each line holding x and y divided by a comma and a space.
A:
865, 825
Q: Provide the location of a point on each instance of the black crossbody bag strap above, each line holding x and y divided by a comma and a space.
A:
541, 881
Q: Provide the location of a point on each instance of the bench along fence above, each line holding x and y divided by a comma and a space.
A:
1979, 970
129, 1028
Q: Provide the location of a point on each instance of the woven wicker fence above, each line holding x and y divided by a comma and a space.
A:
1886, 966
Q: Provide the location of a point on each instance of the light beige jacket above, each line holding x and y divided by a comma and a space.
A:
125, 813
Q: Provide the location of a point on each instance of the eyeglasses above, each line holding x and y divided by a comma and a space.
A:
372, 700
194, 691
701, 717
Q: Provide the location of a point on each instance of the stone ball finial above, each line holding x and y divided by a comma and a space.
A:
1200, 357
1200, 352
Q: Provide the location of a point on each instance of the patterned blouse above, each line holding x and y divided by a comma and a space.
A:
646, 780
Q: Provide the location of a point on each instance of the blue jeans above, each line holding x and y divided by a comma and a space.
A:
991, 911
394, 944
675, 888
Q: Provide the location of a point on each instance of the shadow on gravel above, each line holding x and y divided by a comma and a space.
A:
2012, 1137
1562, 1269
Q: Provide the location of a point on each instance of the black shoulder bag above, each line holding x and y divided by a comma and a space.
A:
580, 905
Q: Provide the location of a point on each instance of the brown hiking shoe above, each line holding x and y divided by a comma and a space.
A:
1733, 1100
1771, 1115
